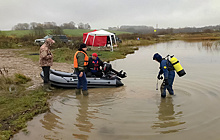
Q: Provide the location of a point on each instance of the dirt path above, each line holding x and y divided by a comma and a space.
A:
15, 63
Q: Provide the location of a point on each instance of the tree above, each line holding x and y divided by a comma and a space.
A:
33, 25
21, 26
50, 25
39, 31
70, 25
57, 31
87, 26
208, 31
81, 26
170, 30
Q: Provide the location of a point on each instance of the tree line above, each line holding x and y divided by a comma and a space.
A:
150, 29
50, 25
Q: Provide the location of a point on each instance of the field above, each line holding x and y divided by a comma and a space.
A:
68, 32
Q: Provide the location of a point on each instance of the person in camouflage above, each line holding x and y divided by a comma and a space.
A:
46, 61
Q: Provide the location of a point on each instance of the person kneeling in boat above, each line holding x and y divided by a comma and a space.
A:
94, 65
80, 65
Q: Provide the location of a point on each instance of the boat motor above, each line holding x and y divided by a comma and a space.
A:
107, 68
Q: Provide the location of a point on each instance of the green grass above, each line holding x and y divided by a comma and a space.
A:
68, 32
119, 32
21, 79
34, 58
17, 33
107, 55
28, 53
75, 32
17, 110
65, 55
18, 105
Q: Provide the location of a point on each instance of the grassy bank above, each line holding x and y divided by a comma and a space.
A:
18, 105
68, 32
197, 36
65, 55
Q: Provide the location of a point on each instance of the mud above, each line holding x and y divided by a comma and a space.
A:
14, 62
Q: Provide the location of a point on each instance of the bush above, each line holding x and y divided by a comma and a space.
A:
10, 84
7, 42
21, 79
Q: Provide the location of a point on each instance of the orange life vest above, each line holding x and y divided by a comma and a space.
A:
85, 59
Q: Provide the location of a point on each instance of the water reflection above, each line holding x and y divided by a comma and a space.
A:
82, 119
51, 121
167, 118
210, 46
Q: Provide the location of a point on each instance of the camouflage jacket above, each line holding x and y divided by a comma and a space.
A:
46, 56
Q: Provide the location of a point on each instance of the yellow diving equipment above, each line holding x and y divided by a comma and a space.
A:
179, 69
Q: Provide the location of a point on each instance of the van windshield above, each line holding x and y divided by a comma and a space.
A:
48, 36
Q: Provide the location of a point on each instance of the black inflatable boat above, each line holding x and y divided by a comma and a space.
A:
70, 80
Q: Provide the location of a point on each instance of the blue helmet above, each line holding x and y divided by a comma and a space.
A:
157, 57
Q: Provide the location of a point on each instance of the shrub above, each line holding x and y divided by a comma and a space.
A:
10, 84
21, 79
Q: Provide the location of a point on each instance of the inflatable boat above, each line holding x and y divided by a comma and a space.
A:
110, 78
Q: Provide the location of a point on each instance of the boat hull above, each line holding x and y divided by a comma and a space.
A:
70, 80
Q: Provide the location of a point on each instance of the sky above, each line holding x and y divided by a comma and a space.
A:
101, 14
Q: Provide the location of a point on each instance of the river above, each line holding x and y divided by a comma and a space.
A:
136, 110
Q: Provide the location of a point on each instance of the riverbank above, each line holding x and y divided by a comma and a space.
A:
17, 104
21, 94
28, 99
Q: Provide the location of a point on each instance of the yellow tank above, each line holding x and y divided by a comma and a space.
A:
179, 69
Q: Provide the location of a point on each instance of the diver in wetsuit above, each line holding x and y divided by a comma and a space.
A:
167, 70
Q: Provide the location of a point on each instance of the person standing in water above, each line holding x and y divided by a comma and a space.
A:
46, 61
167, 70
80, 64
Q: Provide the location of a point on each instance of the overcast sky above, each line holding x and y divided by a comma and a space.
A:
111, 13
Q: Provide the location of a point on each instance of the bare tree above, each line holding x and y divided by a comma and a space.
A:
87, 26
39, 31
70, 25
21, 26
57, 31
50, 25
26, 26
81, 26
33, 25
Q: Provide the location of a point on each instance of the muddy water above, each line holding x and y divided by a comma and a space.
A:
136, 111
